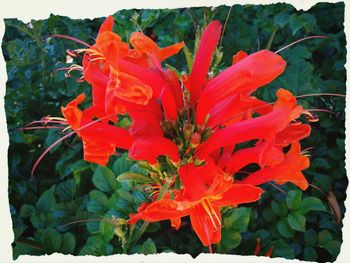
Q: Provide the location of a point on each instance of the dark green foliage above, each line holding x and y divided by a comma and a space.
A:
73, 207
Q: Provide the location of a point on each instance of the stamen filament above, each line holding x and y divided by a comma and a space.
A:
300, 40
207, 209
213, 212
63, 138
320, 94
68, 37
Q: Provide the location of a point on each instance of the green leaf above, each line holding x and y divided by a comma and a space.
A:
293, 199
51, 138
296, 23
52, 240
47, 200
93, 226
80, 166
26, 210
122, 164
122, 201
106, 230
237, 219
148, 247
135, 168
66, 190
230, 239
269, 215
104, 179
324, 236
310, 21
68, 243
284, 229
333, 247
98, 202
279, 208
153, 227
312, 203
189, 57
95, 245
282, 249
38, 219
281, 19
297, 221
310, 254
310, 237
134, 177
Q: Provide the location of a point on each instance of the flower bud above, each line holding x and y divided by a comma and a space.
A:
119, 232
195, 140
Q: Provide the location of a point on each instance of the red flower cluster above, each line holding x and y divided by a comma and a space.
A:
205, 130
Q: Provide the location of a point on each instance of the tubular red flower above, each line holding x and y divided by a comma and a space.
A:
150, 147
202, 203
267, 153
263, 127
147, 46
99, 139
198, 129
252, 72
202, 61
287, 171
131, 89
235, 108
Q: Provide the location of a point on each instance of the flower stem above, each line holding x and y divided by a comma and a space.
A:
273, 34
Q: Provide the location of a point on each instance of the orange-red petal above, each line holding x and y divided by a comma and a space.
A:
194, 185
287, 171
150, 147
202, 61
206, 225
254, 71
239, 194
238, 57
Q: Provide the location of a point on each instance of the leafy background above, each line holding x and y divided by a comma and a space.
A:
71, 206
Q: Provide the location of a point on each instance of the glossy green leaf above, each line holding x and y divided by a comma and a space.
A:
68, 243
297, 221
237, 219
98, 202
104, 179
26, 210
106, 230
52, 240
148, 247
310, 254
312, 203
293, 199
284, 229
47, 200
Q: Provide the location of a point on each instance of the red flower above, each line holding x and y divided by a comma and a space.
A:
287, 171
100, 140
198, 77
250, 73
263, 127
201, 201
148, 48
196, 128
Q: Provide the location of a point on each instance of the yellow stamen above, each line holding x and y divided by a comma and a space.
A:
207, 209
98, 58
55, 119
81, 50
213, 212
67, 128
